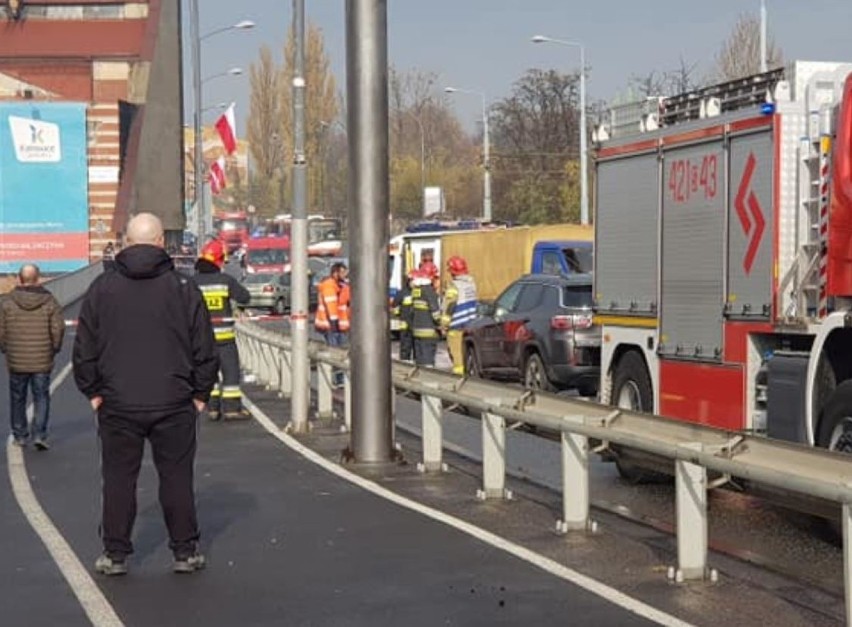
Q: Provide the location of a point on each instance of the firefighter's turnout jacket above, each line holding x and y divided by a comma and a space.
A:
425, 311
460, 303
219, 289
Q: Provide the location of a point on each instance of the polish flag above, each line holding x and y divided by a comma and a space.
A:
217, 175
228, 130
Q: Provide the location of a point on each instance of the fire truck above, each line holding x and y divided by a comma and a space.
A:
723, 255
231, 228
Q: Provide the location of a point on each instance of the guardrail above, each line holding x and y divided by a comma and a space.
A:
71, 287
694, 449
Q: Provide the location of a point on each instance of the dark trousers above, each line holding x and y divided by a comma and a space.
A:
425, 351
406, 345
19, 384
173, 441
227, 397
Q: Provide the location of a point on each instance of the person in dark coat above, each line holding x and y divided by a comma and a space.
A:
145, 357
31, 333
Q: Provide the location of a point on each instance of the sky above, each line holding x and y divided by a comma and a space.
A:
485, 44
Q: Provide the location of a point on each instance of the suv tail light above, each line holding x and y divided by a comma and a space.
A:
268, 289
566, 323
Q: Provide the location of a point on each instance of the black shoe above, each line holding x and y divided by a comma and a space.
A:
111, 566
19, 442
41, 444
189, 563
213, 414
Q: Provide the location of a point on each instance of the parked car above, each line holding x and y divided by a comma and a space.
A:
272, 291
540, 331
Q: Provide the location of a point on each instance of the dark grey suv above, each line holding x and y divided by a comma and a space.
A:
539, 331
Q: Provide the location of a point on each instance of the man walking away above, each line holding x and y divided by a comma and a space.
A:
145, 357
425, 321
327, 317
219, 290
31, 333
459, 309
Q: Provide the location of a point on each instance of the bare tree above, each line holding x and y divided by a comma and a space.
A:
265, 142
740, 53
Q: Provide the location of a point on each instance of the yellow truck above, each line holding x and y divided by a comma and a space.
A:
498, 256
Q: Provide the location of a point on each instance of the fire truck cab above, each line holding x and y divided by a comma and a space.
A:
723, 255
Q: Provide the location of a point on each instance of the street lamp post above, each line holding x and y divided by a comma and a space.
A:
198, 156
486, 151
584, 178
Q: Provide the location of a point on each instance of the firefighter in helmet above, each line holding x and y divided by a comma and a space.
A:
425, 318
459, 305
219, 290
401, 310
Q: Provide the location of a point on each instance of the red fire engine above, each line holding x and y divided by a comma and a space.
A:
231, 228
723, 255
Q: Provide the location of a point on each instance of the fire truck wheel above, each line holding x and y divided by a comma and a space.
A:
631, 386
535, 374
632, 390
835, 426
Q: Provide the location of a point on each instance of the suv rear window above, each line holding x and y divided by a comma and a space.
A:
577, 296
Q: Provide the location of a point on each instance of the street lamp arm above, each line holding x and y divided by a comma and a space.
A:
243, 25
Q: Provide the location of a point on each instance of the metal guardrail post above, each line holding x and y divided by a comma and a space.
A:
325, 383
847, 559
347, 403
691, 512
432, 433
285, 383
575, 483
493, 458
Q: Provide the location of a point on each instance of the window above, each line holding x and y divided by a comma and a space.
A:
530, 297
551, 263
506, 301
577, 296
580, 259
550, 298
268, 256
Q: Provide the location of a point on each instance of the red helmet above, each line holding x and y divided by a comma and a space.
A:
214, 252
429, 269
457, 265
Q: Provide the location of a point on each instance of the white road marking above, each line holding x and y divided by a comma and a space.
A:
554, 568
94, 603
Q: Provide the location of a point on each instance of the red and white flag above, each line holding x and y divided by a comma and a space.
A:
217, 175
227, 128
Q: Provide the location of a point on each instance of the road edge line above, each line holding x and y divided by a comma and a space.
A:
548, 565
95, 605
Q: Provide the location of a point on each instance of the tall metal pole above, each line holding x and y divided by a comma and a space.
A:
486, 164
300, 399
369, 210
763, 62
584, 151
198, 150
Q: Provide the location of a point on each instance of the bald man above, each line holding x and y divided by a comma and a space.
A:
146, 359
31, 333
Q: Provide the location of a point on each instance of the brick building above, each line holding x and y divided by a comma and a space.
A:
122, 60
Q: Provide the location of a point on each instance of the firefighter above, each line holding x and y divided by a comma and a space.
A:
219, 290
401, 309
425, 319
459, 305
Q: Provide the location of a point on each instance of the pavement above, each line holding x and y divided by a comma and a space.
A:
288, 542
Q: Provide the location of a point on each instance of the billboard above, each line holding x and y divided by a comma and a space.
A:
44, 209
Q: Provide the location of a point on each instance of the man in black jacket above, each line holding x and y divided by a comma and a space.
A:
145, 356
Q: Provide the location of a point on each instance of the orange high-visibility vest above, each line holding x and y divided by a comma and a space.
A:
327, 304
344, 301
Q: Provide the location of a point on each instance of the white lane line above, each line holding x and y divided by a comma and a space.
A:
554, 568
95, 605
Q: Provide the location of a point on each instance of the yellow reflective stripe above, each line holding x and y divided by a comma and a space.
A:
225, 334
231, 392
425, 333
215, 393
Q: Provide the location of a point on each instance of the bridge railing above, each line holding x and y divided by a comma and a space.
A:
694, 449
71, 286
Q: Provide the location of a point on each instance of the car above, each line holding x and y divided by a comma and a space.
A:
272, 291
539, 331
